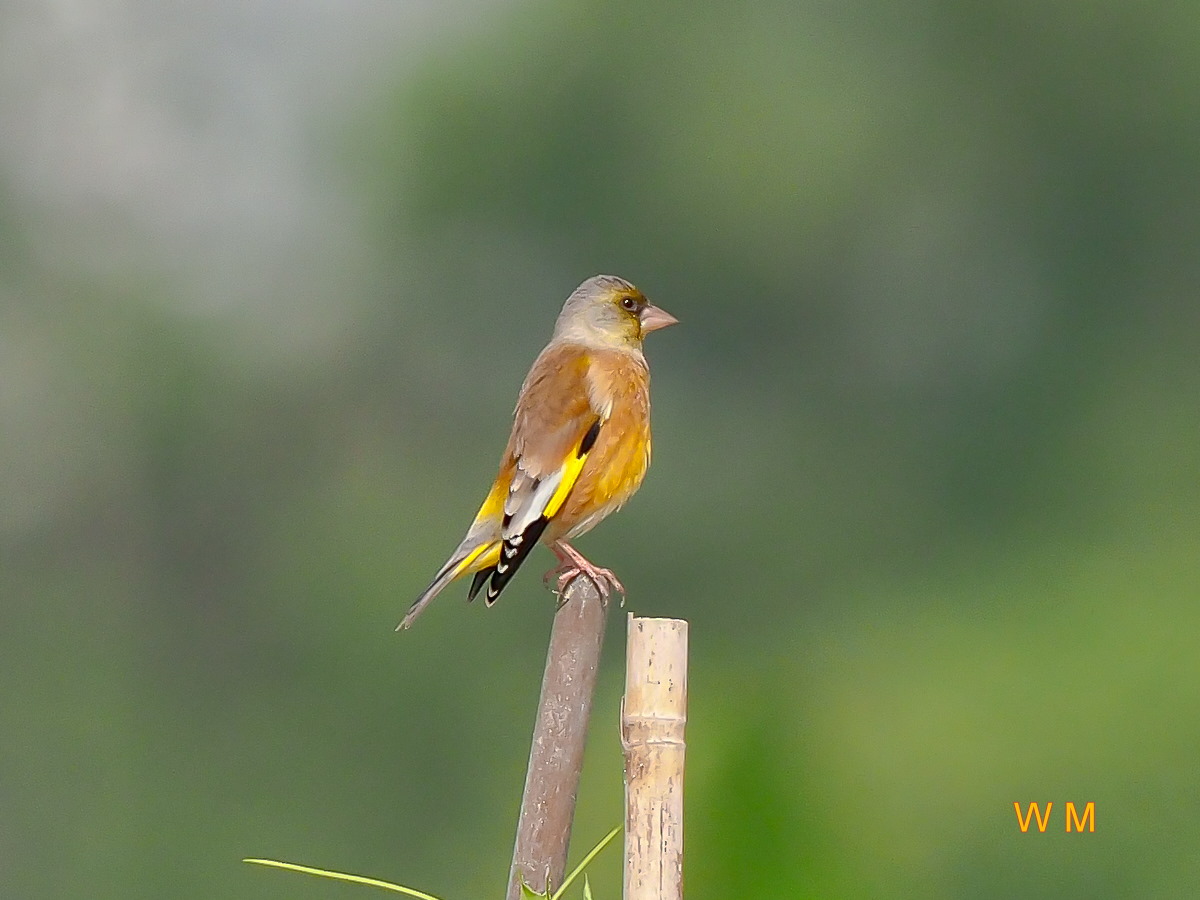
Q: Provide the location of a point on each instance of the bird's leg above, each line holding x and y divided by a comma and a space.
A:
572, 564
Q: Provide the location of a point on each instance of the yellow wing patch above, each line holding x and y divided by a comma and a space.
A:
571, 470
480, 558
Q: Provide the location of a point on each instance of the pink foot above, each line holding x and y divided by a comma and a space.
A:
572, 564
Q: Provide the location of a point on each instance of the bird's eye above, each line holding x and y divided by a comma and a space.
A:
629, 303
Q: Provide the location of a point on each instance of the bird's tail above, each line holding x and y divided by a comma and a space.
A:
465, 560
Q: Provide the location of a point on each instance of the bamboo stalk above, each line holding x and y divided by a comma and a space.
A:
559, 736
653, 719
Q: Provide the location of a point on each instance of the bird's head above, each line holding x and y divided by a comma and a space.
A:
609, 312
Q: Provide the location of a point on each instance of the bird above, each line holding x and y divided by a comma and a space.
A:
579, 447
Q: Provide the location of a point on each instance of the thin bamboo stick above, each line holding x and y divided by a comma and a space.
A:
559, 736
653, 719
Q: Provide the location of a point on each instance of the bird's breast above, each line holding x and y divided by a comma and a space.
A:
618, 462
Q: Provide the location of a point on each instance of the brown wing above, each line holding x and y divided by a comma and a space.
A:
554, 428
553, 410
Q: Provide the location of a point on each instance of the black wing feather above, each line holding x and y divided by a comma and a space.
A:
512, 554
478, 581
514, 550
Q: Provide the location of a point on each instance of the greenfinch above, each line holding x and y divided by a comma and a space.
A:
579, 448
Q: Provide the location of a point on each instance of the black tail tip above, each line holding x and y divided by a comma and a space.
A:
478, 582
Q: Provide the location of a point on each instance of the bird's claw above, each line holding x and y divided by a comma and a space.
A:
604, 580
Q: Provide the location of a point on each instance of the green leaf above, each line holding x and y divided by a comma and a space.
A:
342, 876
587, 859
527, 891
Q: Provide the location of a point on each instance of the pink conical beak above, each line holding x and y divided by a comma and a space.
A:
654, 318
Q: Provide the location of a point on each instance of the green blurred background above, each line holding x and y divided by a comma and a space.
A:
926, 478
